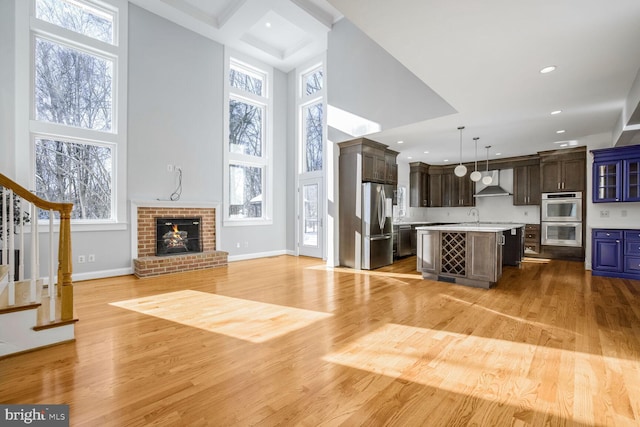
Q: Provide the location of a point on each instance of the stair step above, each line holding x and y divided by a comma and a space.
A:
4, 269
22, 294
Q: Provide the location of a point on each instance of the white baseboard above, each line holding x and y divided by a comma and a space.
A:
78, 277
244, 257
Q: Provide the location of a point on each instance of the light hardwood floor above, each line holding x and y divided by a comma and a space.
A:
287, 341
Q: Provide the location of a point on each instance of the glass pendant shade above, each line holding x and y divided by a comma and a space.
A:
460, 170
487, 180
476, 175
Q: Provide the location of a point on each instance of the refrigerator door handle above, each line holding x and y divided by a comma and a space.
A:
386, 237
382, 219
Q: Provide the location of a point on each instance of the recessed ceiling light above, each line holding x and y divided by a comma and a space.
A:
267, 24
426, 152
561, 131
548, 69
556, 112
498, 154
446, 160
573, 143
564, 145
400, 142
409, 157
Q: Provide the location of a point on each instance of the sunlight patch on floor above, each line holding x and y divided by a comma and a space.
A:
247, 320
414, 276
500, 371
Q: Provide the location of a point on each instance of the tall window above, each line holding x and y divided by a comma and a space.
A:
311, 114
248, 163
77, 113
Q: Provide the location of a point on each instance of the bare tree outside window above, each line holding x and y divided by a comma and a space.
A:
76, 173
313, 137
313, 82
245, 82
81, 18
245, 191
245, 128
74, 88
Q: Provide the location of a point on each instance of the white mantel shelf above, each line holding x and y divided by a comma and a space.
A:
174, 204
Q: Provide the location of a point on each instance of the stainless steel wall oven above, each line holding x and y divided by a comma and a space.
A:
561, 219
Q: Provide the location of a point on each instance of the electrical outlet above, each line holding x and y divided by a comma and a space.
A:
237, 244
169, 168
91, 258
81, 259
604, 214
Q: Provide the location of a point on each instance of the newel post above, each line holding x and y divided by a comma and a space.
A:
65, 284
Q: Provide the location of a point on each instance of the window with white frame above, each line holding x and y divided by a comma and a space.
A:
247, 144
311, 116
77, 103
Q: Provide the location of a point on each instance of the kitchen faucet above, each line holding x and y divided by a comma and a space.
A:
477, 213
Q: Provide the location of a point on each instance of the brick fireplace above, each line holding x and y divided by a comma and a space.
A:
146, 263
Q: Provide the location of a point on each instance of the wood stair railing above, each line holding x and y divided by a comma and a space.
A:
64, 281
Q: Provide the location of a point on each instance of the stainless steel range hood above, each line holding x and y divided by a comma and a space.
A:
494, 189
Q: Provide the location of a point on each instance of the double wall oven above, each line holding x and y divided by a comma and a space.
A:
561, 219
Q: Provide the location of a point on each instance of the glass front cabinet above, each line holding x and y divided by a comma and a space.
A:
616, 174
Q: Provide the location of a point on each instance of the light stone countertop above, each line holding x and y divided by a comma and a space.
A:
474, 226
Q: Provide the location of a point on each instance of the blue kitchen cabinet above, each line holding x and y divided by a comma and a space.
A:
616, 174
631, 187
607, 250
615, 253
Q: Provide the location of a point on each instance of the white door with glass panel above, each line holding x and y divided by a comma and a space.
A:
311, 218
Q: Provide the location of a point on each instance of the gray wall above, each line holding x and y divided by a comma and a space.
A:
175, 110
368, 82
7, 135
175, 117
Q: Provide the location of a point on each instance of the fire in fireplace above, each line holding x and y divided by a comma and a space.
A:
177, 236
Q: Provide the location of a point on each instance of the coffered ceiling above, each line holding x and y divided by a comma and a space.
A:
282, 33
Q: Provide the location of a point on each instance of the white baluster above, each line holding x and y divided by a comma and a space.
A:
52, 285
21, 244
10, 248
33, 209
4, 227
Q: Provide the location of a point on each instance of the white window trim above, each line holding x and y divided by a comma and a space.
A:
266, 161
28, 129
303, 100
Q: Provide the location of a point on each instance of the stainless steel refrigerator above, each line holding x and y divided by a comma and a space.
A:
377, 225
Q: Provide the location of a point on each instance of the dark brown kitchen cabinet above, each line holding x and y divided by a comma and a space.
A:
563, 170
448, 190
391, 166
456, 191
378, 162
418, 185
435, 190
526, 185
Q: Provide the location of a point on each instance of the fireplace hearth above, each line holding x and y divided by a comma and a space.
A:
175, 236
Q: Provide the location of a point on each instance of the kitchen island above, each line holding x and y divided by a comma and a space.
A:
468, 254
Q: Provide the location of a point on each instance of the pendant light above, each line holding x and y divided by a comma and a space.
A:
460, 170
476, 175
486, 180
